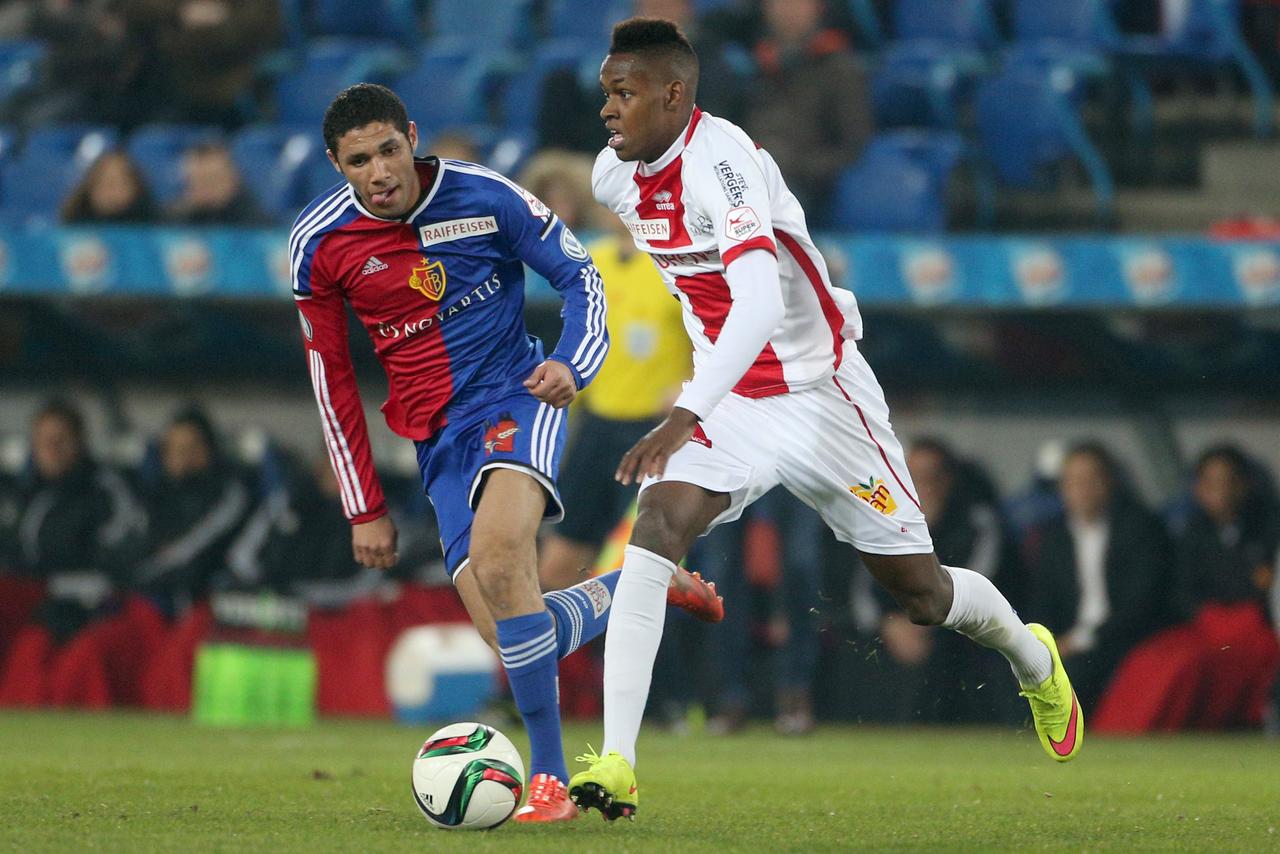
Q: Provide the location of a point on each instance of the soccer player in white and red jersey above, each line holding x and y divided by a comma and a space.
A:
430, 255
779, 395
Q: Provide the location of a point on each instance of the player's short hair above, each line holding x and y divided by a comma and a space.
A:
359, 105
660, 39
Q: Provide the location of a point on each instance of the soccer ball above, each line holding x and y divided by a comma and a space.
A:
468, 776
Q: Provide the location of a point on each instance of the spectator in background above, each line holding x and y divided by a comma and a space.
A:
111, 192
809, 104
1214, 669
1098, 572
768, 565
102, 66
213, 192
962, 508
76, 523
195, 506
208, 51
562, 180
1225, 573
297, 542
455, 144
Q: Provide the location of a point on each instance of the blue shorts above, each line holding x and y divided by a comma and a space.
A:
516, 431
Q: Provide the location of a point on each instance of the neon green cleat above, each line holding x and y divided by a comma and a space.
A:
609, 785
1054, 708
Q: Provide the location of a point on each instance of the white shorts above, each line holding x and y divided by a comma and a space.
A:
830, 445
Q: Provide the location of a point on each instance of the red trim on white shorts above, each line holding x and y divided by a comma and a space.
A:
879, 447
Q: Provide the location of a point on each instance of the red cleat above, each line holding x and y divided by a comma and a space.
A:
548, 801
698, 597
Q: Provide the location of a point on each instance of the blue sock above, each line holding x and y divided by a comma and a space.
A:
581, 611
528, 647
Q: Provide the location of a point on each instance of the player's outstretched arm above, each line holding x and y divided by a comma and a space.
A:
553, 382
648, 457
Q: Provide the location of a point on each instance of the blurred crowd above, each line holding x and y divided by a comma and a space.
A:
1166, 617
822, 85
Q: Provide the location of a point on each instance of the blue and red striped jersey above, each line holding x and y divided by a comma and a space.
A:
441, 294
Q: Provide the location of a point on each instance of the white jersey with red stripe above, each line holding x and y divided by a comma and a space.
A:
711, 197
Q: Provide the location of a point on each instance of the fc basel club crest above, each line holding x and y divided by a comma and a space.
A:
428, 279
501, 437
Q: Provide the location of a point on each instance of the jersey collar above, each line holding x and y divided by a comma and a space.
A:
681, 141
429, 170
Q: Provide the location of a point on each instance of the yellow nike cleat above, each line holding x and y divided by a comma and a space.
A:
608, 784
1054, 708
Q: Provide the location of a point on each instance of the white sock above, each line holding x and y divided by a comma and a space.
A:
631, 646
980, 611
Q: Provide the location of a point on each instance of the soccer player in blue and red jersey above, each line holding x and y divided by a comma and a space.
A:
429, 253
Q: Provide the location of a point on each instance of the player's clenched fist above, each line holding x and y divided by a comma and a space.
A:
374, 543
552, 382
648, 458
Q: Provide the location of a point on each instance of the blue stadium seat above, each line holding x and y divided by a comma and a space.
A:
271, 160
59, 155
1208, 38
80, 142
1029, 129
23, 200
158, 150
960, 23
588, 20
396, 20
448, 85
918, 84
1082, 24
522, 96
19, 66
318, 175
489, 25
887, 190
329, 65
510, 150
943, 154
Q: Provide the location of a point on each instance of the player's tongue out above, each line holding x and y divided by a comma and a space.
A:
381, 198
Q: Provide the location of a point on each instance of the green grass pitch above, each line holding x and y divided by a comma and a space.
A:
121, 782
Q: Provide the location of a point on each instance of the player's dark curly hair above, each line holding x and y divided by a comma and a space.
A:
635, 35
659, 38
359, 105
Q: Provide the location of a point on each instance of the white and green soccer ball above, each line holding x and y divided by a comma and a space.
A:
468, 776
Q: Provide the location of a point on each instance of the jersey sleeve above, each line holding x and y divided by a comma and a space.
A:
728, 185
346, 435
543, 241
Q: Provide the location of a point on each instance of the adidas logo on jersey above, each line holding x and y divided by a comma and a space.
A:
373, 265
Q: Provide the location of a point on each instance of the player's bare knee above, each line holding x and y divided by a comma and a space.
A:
653, 532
